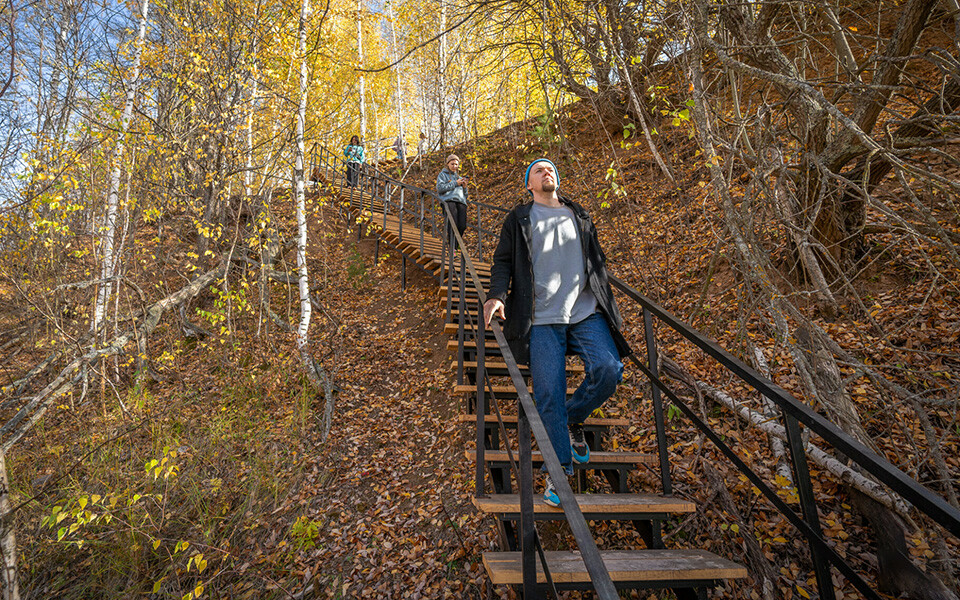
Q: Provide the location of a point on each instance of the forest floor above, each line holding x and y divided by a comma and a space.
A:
213, 481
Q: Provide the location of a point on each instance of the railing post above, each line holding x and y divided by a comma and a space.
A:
462, 304
528, 529
371, 182
403, 255
446, 271
652, 362
479, 233
808, 504
481, 401
386, 203
343, 179
421, 223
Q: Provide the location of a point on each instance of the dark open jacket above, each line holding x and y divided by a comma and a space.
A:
511, 277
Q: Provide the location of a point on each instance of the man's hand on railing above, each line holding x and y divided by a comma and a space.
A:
491, 307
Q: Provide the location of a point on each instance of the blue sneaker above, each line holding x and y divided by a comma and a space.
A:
550, 496
578, 445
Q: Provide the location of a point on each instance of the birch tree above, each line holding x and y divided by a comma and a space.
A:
361, 80
442, 74
304, 281
399, 90
8, 540
108, 259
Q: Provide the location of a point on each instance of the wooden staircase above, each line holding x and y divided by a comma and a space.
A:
690, 573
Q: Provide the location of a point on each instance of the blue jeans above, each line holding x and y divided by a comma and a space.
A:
549, 345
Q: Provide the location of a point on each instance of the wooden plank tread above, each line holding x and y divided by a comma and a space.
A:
453, 328
595, 422
499, 390
592, 504
490, 345
624, 565
491, 364
597, 458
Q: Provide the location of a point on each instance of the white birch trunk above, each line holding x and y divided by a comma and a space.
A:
399, 92
8, 541
302, 330
363, 102
819, 457
773, 413
248, 172
110, 218
442, 92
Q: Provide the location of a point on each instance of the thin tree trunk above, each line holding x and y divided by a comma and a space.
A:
248, 171
363, 102
442, 92
399, 94
110, 219
8, 540
305, 308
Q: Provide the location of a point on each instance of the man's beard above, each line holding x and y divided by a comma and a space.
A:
549, 186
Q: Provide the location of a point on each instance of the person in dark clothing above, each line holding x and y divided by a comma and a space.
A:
355, 157
452, 188
549, 283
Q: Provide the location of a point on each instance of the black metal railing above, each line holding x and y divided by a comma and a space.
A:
374, 184
794, 414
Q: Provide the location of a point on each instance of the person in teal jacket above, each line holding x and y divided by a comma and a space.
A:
354, 154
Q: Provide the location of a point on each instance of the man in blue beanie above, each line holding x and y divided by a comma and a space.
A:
549, 283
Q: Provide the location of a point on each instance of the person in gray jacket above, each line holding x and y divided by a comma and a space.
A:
452, 188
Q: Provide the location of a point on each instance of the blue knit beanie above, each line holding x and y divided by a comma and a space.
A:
526, 177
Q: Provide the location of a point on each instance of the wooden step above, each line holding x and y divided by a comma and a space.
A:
594, 506
470, 294
498, 366
490, 346
442, 290
471, 301
628, 568
598, 460
455, 309
502, 391
453, 328
593, 422
484, 278
482, 271
414, 246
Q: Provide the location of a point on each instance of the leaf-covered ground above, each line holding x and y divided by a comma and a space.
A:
245, 501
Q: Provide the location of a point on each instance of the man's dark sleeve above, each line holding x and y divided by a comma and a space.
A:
502, 261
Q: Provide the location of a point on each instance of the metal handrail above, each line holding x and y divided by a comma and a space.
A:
794, 413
